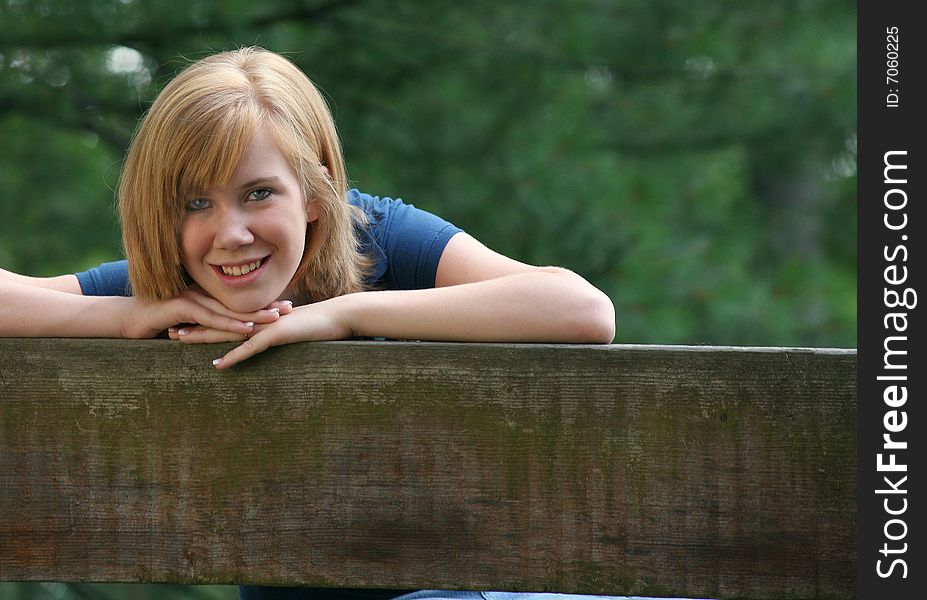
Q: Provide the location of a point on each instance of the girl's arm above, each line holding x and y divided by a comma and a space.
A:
56, 307
62, 283
483, 296
36, 311
480, 296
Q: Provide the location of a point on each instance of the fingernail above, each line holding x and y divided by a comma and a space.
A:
249, 324
290, 302
274, 309
172, 330
217, 362
182, 332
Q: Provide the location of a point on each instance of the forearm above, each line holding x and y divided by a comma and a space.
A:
62, 283
31, 311
547, 305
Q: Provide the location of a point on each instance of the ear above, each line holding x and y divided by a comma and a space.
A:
312, 211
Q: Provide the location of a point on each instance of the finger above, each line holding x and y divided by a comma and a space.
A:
207, 318
259, 327
285, 306
266, 315
249, 348
204, 335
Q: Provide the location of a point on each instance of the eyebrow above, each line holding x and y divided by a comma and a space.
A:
258, 180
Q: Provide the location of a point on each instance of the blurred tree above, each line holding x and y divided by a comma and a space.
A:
694, 160
697, 161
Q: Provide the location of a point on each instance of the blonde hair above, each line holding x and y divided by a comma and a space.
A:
192, 139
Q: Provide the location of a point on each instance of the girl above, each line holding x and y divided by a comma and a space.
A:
234, 200
238, 225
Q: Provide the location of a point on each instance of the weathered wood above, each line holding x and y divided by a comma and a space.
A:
692, 471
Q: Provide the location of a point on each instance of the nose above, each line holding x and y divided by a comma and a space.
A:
233, 229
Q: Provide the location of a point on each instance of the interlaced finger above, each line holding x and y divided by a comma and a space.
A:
197, 314
266, 315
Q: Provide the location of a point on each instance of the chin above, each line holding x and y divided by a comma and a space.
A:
245, 305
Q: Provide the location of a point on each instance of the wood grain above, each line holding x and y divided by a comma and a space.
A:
688, 471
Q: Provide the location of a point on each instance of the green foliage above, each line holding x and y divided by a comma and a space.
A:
46, 218
696, 161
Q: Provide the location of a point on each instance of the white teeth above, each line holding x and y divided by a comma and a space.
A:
241, 270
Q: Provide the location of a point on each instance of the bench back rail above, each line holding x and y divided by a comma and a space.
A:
684, 471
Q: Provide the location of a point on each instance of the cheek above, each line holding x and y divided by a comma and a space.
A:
294, 229
193, 244
295, 238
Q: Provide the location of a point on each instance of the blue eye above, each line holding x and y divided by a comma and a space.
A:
260, 194
197, 204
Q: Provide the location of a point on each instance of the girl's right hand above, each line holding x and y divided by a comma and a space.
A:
151, 319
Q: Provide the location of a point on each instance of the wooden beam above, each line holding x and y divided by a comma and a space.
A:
687, 471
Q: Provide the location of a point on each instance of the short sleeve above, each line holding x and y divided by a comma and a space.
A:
109, 279
411, 239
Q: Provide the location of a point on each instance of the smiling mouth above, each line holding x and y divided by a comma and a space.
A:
240, 270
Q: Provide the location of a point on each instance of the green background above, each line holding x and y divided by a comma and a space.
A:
695, 160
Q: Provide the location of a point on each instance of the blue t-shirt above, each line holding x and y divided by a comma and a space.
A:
405, 243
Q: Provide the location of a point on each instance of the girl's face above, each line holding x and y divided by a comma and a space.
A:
243, 242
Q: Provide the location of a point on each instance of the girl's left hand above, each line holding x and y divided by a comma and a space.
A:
312, 322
